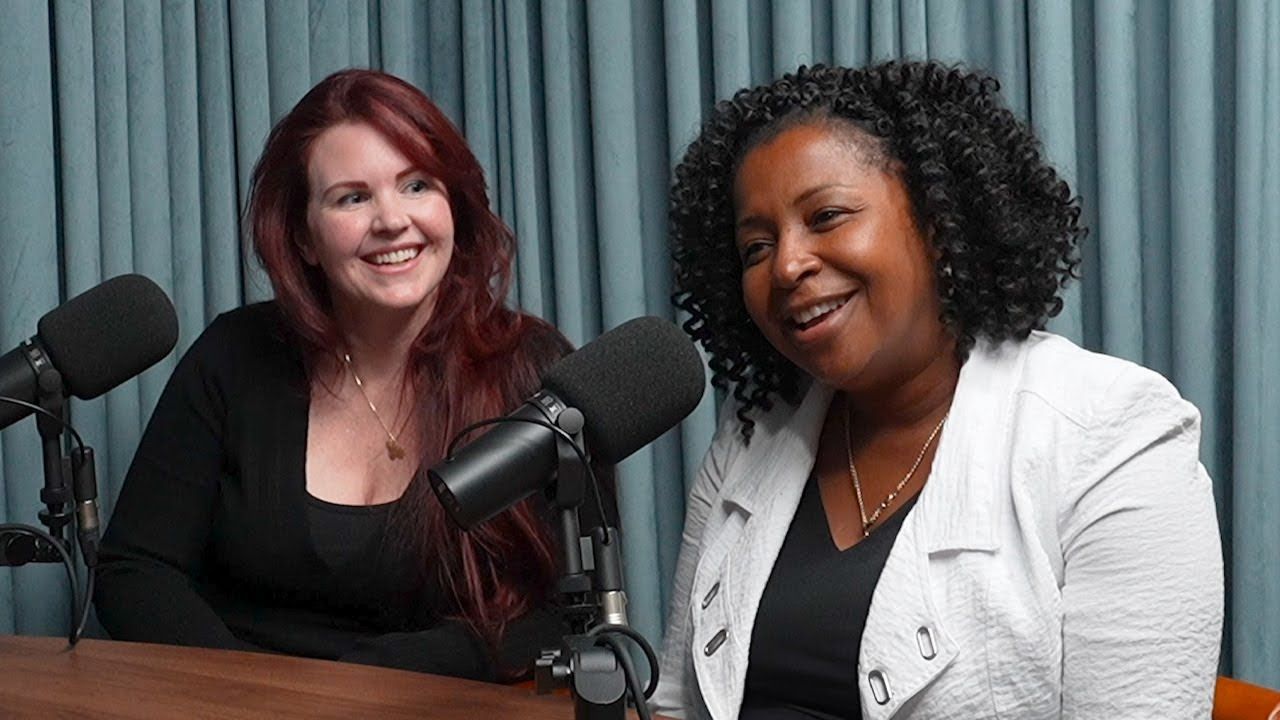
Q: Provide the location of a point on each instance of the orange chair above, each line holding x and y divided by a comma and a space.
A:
1238, 700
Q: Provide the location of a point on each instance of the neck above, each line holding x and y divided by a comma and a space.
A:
920, 399
379, 342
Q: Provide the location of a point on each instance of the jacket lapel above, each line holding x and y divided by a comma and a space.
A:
906, 643
760, 498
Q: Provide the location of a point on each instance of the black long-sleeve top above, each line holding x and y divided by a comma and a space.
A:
210, 543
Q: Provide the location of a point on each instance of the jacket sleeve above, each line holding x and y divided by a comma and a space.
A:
157, 536
1143, 580
676, 695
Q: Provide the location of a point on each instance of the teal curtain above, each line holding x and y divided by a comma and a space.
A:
128, 129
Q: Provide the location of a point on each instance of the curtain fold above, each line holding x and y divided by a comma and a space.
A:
1254, 533
129, 129
30, 284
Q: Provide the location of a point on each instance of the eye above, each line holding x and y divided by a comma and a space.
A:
752, 251
826, 218
352, 198
422, 184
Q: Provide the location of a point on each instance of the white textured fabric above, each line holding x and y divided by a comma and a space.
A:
1062, 561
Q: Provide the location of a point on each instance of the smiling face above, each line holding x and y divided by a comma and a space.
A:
835, 272
379, 228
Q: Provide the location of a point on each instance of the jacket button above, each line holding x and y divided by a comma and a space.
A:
879, 686
924, 638
711, 595
715, 642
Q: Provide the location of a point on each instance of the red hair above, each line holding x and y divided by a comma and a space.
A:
474, 359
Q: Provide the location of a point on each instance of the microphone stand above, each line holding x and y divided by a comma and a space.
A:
21, 544
18, 548
593, 673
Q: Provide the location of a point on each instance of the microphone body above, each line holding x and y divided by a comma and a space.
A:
524, 453
95, 340
18, 380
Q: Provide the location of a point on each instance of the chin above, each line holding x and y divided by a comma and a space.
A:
842, 376
404, 298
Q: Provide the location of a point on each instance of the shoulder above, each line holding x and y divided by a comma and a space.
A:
253, 339
1091, 390
1069, 422
784, 434
260, 324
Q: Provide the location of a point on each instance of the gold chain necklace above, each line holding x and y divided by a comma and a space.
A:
857, 485
395, 450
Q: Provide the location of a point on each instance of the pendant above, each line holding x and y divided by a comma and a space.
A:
394, 450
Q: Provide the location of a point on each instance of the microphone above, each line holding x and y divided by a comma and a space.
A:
84, 347
629, 385
95, 341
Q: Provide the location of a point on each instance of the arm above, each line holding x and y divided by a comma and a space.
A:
1143, 585
452, 648
676, 665
156, 540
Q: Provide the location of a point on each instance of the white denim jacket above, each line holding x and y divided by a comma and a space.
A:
1062, 561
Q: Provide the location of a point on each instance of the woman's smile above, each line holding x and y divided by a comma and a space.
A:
394, 259
814, 322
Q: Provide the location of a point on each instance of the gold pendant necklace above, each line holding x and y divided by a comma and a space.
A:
867, 522
395, 450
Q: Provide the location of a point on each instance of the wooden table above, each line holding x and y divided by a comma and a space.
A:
40, 678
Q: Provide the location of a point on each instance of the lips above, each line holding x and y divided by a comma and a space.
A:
394, 257
810, 315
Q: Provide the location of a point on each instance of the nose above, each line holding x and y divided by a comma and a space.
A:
390, 218
794, 259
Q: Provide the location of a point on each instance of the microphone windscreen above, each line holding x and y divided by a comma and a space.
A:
632, 384
108, 334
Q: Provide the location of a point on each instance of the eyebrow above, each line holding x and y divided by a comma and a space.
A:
410, 170
819, 188
751, 222
756, 221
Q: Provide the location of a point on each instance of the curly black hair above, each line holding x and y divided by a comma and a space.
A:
1005, 226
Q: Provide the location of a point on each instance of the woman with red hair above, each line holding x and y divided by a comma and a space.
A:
277, 499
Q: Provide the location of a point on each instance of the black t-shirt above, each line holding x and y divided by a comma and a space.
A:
808, 629
347, 536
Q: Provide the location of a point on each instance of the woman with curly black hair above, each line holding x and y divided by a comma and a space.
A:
918, 503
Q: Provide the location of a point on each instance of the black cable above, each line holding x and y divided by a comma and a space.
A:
628, 671
649, 655
582, 456
36, 408
85, 605
29, 530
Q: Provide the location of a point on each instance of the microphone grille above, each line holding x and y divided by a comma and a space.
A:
632, 383
109, 333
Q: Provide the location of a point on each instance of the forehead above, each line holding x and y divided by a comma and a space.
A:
807, 155
348, 150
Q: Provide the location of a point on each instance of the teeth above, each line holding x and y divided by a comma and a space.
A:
395, 256
809, 314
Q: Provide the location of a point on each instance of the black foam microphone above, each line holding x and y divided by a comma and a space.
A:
630, 385
95, 341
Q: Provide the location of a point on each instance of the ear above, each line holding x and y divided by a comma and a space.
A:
304, 249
